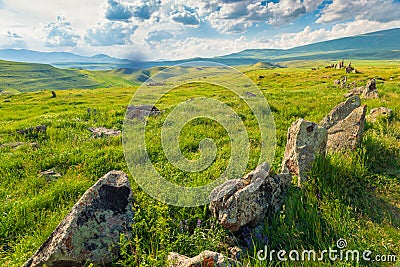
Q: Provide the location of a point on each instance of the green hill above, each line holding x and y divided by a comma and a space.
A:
29, 77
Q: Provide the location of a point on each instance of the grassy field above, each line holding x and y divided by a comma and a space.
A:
355, 195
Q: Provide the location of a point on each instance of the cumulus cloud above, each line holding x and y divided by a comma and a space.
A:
186, 18
376, 10
60, 33
110, 33
118, 11
308, 36
237, 16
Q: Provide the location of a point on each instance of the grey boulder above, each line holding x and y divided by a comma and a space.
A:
91, 231
243, 201
305, 140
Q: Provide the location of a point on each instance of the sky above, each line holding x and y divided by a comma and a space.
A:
177, 29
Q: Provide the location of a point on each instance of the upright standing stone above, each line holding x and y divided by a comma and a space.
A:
370, 90
305, 139
91, 231
340, 112
347, 133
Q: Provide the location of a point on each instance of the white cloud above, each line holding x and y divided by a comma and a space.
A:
11, 40
110, 33
60, 33
376, 10
308, 36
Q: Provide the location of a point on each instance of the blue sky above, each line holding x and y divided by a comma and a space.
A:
175, 29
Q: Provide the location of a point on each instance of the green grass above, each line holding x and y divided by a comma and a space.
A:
355, 196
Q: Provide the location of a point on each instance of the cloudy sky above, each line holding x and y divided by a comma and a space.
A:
175, 29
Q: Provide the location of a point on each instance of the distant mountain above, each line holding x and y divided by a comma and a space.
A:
375, 45
57, 58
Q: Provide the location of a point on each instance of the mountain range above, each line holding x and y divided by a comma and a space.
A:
376, 45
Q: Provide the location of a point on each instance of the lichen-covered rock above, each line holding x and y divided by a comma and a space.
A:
347, 133
381, 112
91, 231
141, 111
101, 132
305, 139
243, 201
340, 112
370, 90
204, 259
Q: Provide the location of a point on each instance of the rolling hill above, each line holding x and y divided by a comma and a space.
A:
29, 77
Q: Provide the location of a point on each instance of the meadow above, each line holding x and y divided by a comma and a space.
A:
353, 195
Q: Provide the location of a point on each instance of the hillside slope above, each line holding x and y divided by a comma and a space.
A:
29, 77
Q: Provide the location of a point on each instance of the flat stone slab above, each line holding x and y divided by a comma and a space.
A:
101, 132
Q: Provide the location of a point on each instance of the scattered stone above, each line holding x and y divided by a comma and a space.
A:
7, 101
142, 111
379, 113
340, 112
91, 231
101, 132
53, 94
19, 144
250, 95
50, 174
370, 90
243, 201
347, 133
305, 139
204, 259
33, 131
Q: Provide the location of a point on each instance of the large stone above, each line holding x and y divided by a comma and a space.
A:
204, 259
370, 90
141, 111
340, 112
101, 132
305, 140
91, 231
381, 112
347, 133
243, 201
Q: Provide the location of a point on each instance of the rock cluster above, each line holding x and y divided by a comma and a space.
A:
368, 91
91, 231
